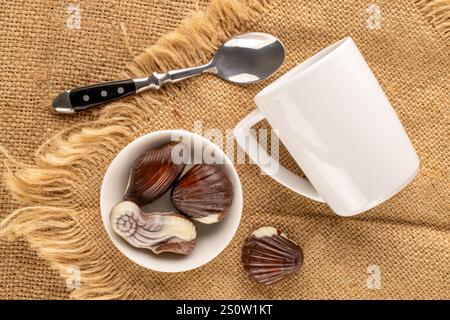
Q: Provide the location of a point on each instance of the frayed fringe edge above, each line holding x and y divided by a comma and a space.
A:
57, 236
437, 12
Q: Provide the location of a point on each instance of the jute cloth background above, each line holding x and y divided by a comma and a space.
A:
54, 192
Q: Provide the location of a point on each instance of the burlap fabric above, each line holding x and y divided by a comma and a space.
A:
56, 191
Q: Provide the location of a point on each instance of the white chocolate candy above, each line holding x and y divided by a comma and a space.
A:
267, 232
158, 231
212, 218
264, 232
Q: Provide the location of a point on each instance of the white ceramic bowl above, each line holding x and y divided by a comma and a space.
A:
211, 239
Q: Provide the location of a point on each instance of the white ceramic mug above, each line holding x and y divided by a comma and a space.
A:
335, 120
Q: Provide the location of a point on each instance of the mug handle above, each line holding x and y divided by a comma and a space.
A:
254, 150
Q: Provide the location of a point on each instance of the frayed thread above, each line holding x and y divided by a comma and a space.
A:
57, 236
437, 12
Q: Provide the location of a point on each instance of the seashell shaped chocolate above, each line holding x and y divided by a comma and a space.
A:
154, 172
204, 193
269, 256
158, 232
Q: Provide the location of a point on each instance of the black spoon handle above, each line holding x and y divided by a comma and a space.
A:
79, 99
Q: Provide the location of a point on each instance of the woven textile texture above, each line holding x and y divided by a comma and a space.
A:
54, 165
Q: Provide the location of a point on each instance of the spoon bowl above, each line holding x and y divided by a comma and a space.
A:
248, 58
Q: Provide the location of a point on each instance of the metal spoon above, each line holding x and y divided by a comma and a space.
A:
246, 58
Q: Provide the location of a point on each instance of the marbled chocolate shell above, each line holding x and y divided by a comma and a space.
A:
158, 231
269, 256
154, 172
204, 193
